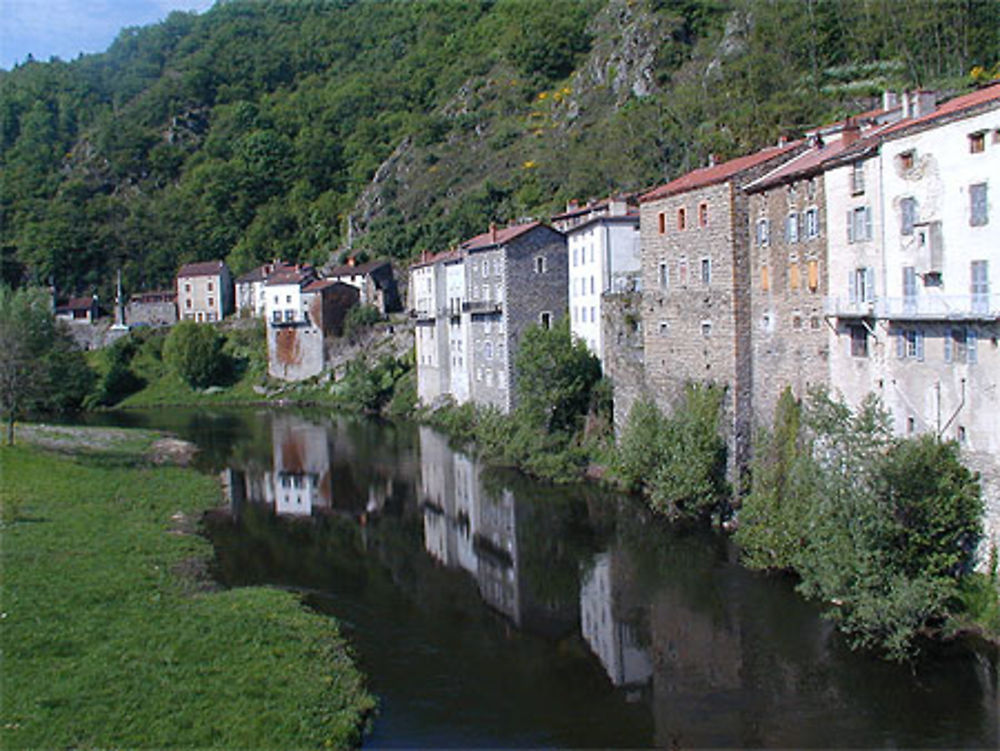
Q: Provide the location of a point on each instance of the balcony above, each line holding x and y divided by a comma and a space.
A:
482, 306
922, 308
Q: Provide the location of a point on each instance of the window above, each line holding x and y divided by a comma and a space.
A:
288, 298
907, 215
545, 319
861, 285
276, 316
703, 214
906, 160
977, 142
909, 288
664, 328
762, 232
290, 316
979, 275
765, 278
661, 219
593, 317
812, 222
488, 350
792, 228
591, 285
210, 288
664, 275
540, 264
859, 341
187, 303
575, 254
706, 270
681, 218
978, 216
813, 271
859, 224
910, 344
961, 345
706, 329
211, 302
187, 287
486, 268
857, 178
794, 274
682, 271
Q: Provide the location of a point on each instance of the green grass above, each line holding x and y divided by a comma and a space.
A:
171, 390
107, 643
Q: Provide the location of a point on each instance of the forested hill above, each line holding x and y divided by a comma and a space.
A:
263, 129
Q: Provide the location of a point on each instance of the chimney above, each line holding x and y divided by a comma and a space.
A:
851, 131
493, 232
890, 100
572, 205
711, 160
782, 140
350, 260
924, 103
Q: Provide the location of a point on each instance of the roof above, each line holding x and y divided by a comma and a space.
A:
321, 284
202, 268
261, 273
358, 268
291, 275
155, 295
951, 108
501, 236
719, 173
78, 303
443, 257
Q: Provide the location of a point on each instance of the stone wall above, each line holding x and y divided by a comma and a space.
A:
988, 467
294, 352
622, 355
151, 314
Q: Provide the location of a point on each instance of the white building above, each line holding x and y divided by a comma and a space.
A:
914, 297
604, 256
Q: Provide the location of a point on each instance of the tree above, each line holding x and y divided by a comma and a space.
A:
194, 351
40, 367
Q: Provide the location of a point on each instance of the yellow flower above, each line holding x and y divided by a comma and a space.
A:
530, 164
543, 95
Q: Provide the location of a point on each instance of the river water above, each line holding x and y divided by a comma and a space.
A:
492, 611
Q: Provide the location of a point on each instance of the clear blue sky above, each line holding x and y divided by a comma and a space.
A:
65, 28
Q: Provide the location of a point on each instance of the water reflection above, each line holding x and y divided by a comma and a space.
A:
489, 610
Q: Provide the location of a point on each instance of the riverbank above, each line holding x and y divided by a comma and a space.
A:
113, 635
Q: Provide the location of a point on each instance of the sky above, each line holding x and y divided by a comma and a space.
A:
65, 28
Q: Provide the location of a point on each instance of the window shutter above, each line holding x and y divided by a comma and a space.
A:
868, 223
900, 344
850, 227
869, 285
852, 286
802, 226
971, 349
947, 345
920, 346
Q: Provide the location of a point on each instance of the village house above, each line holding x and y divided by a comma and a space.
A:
155, 308
696, 287
374, 281
78, 310
604, 256
472, 307
251, 292
204, 291
304, 310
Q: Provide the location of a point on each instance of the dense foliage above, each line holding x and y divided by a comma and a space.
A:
678, 462
41, 369
194, 351
882, 529
285, 128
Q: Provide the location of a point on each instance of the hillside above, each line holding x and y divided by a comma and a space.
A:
299, 129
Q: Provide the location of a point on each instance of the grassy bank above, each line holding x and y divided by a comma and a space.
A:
112, 639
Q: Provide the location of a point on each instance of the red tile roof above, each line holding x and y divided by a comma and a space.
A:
291, 275
201, 268
358, 268
501, 236
78, 303
320, 284
952, 107
443, 257
719, 173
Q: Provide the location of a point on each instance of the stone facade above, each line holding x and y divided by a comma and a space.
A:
204, 292
152, 309
623, 356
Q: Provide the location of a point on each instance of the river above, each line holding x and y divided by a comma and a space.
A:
489, 610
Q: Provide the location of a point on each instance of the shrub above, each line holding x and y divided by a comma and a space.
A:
194, 351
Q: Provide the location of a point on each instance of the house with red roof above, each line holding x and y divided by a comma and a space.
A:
204, 291
696, 287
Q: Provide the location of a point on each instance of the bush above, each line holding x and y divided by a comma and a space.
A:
194, 351
360, 318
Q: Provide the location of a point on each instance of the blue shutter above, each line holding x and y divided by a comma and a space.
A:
920, 346
869, 284
852, 287
868, 223
901, 344
947, 345
971, 348
850, 227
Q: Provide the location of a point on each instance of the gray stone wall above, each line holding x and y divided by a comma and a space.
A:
790, 338
294, 352
151, 314
622, 356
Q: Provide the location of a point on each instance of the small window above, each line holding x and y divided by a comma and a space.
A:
187, 303
859, 341
664, 328
706, 329
797, 321
857, 178
211, 302
545, 319
906, 160
703, 214
290, 315
792, 228
706, 270
813, 270
977, 142
187, 287
540, 264
812, 222
664, 275
763, 232
661, 219
911, 426
765, 278
978, 212
210, 287
907, 215
681, 218
960, 434
794, 274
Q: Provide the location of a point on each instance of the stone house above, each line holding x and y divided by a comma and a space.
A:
374, 280
304, 310
473, 305
696, 287
604, 256
251, 289
78, 310
154, 308
204, 291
